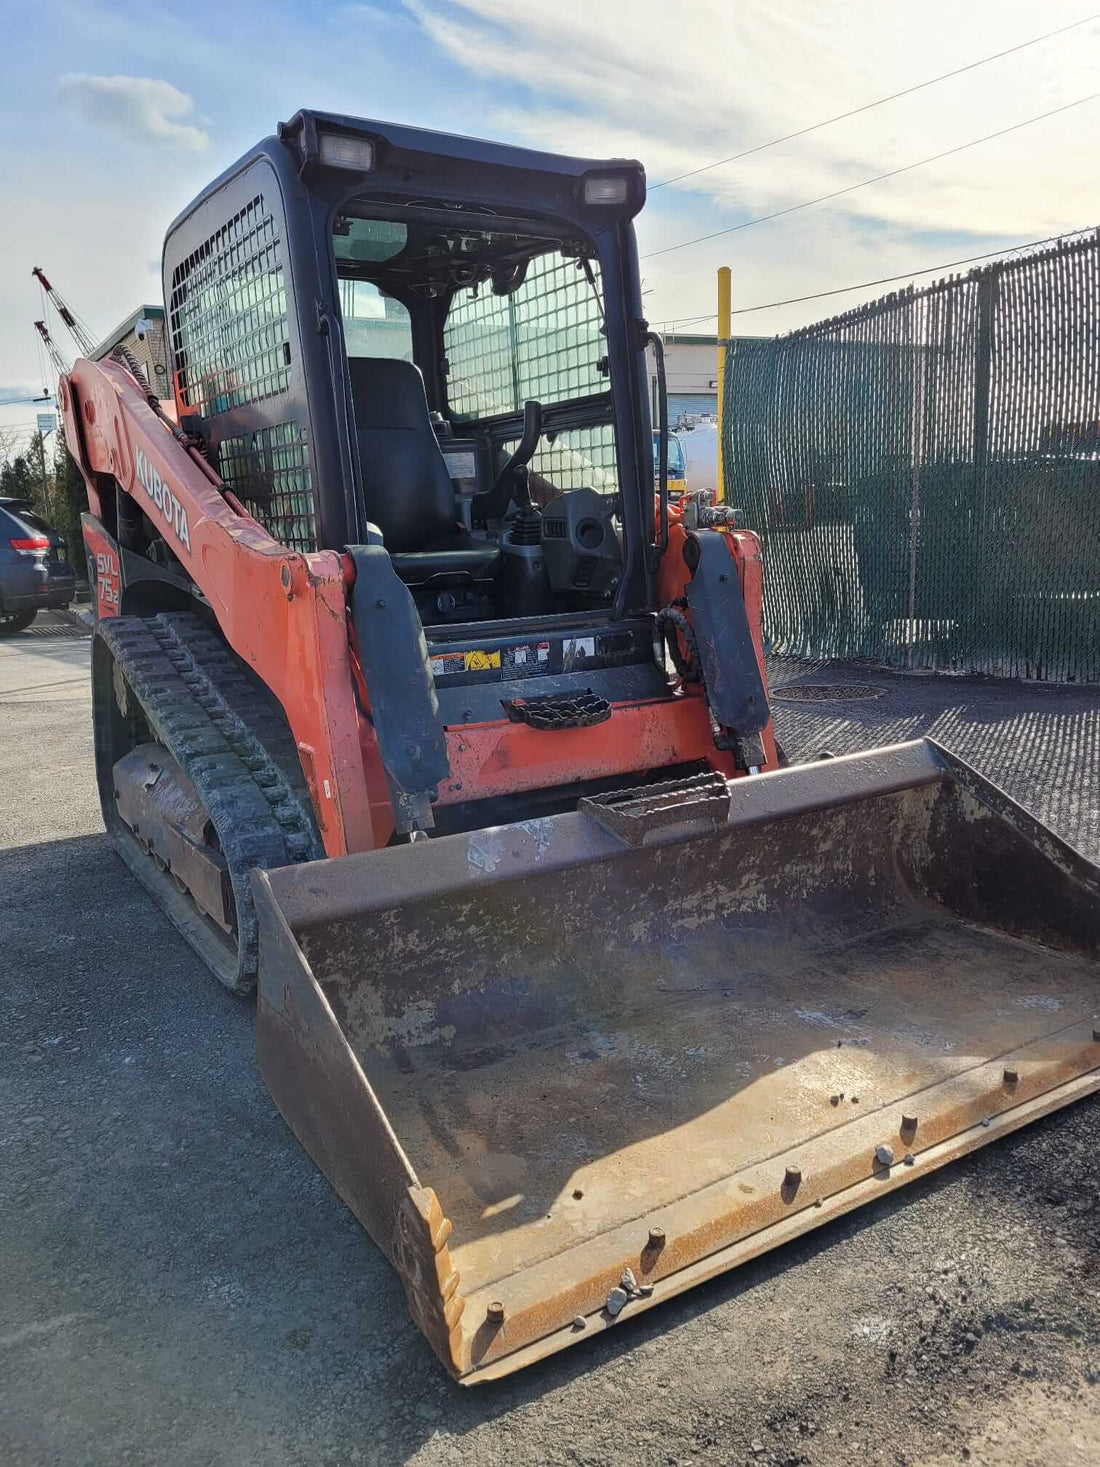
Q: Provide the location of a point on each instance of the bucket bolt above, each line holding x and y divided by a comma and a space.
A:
1096, 1036
495, 1313
1011, 1076
792, 1180
656, 1237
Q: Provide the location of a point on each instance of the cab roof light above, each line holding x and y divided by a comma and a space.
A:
606, 189
340, 150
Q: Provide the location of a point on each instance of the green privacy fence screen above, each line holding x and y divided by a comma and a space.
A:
924, 472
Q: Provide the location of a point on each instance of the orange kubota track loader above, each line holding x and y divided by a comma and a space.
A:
411, 704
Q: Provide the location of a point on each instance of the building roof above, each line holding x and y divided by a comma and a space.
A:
679, 338
108, 344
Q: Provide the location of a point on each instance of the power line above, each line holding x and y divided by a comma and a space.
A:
878, 178
867, 106
818, 295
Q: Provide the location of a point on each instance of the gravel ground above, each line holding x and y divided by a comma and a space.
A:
178, 1285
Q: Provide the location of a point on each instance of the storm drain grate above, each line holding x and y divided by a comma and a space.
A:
827, 693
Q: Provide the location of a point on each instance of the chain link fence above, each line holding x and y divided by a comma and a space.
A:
924, 472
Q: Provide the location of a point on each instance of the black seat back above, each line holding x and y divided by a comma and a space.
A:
407, 491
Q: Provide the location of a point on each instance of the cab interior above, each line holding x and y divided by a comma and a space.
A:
481, 396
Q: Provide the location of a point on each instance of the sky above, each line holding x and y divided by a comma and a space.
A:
117, 113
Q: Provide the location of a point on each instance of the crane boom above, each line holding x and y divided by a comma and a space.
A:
76, 330
61, 364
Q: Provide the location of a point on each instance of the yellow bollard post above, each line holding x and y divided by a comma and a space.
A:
724, 289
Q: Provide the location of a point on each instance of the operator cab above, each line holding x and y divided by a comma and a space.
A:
479, 379
394, 340
426, 354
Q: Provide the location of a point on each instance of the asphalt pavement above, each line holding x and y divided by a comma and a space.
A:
178, 1284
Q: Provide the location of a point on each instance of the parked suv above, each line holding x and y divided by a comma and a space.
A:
34, 566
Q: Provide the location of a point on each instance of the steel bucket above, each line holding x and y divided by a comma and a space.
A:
564, 1069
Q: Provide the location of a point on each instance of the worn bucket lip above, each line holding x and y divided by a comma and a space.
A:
753, 1245
541, 1316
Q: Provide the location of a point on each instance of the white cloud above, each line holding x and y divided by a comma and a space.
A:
136, 105
681, 86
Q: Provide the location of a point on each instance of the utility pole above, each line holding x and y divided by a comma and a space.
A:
47, 502
724, 328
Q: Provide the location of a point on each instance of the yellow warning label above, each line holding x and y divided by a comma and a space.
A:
481, 661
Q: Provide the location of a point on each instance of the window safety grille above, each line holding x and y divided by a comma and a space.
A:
228, 316
577, 458
269, 473
543, 341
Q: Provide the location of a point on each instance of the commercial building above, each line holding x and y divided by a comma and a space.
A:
691, 367
142, 333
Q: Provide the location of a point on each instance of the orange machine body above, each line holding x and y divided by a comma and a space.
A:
285, 614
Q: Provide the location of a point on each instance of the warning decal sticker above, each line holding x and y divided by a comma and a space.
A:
446, 664
523, 660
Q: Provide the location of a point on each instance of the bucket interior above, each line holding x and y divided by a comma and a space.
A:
562, 1053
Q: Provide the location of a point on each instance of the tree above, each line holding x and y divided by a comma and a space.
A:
41, 481
17, 478
10, 439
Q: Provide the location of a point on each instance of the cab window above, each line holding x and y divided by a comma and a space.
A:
375, 324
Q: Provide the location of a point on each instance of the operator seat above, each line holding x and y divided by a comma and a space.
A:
407, 491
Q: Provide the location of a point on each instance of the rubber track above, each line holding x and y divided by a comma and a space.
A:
231, 740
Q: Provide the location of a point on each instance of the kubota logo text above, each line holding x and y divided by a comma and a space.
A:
159, 492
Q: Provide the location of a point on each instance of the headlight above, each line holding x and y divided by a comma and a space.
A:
607, 189
339, 150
